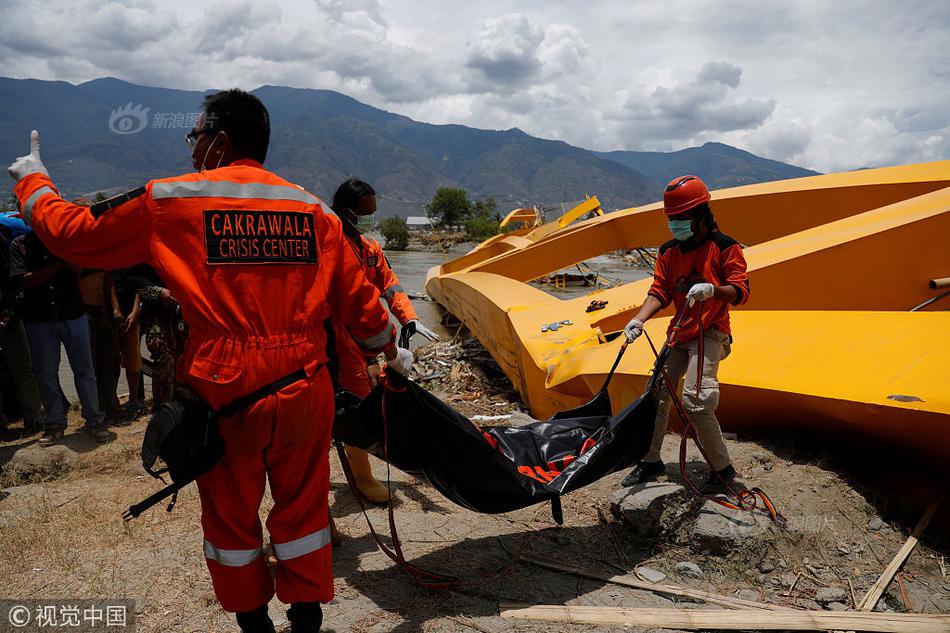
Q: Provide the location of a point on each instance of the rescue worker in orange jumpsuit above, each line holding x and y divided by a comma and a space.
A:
700, 264
355, 203
258, 265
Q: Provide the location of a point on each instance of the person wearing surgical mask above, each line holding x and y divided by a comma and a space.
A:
355, 203
702, 272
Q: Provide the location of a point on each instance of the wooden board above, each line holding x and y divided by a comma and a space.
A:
727, 620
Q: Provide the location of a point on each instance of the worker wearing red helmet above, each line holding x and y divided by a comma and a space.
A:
355, 203
699, 265
258, 265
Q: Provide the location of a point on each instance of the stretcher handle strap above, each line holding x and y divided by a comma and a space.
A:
610, 374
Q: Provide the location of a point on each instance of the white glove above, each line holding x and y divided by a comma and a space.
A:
29, 164
633, 330
424, 331
403, 361
699, 292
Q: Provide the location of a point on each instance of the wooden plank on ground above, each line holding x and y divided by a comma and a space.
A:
636, 583
727, 620
877, 589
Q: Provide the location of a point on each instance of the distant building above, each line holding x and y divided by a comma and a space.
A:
418, 223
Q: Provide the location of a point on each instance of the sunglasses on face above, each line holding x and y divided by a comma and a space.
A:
192, 137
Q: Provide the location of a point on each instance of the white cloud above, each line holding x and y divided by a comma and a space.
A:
839, 85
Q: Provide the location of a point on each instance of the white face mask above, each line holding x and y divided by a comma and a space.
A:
365, 223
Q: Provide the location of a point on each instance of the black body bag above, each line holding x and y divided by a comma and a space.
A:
183, 432
497, 469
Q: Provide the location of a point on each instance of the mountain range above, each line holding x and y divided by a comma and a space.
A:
111, 135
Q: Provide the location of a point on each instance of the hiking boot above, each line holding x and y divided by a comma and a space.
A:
722, 481
256, 621
51, 436
305, 617
99, 432
644, 472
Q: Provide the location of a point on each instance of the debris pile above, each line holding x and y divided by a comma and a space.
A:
463, 374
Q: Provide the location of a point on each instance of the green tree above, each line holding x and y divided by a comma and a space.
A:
450, 207
396, 233
481, 228
486, 208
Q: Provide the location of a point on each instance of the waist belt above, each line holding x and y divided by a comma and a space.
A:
184, 433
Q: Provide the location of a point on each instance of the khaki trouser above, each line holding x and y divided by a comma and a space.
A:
701, 409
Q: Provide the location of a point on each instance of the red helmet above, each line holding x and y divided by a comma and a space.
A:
684, 193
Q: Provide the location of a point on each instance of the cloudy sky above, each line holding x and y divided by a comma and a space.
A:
825, 84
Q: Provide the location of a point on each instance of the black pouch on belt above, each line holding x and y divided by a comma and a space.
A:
183, 432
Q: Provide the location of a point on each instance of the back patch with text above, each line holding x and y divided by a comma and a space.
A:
240, 236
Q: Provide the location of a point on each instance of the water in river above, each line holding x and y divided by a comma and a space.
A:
411, 267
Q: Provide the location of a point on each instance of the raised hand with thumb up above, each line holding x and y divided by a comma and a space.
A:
31, 163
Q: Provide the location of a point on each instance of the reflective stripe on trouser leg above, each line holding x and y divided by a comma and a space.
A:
298, 470
231, 557
303, 545
675, 366
702, 408
231, 494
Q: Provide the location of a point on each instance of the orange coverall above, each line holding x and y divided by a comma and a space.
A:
352, 374
257, 266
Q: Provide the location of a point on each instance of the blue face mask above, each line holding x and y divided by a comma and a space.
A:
682, 230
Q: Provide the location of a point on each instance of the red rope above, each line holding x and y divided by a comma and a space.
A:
746, 498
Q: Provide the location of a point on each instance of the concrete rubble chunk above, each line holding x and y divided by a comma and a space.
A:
837, 606
650, 575
688, 569
875, 524
719, 529
648, 509
748, 594
826, 595
766, 567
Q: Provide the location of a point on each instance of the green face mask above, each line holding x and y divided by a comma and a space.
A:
682, 230
365, 223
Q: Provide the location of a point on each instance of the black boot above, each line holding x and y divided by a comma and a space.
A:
722, 480
305, 617
256, 621
644, 472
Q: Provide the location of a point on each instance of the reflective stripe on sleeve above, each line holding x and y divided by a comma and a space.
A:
392, 290
379, 340
27, 209
231, 557
228, 189
303, 545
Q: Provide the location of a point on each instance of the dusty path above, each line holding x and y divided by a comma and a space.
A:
64, 538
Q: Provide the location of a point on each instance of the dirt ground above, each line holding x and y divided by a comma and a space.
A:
61, 534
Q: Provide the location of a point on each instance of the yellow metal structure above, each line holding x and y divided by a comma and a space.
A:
591, 205
529, 218
826, 340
